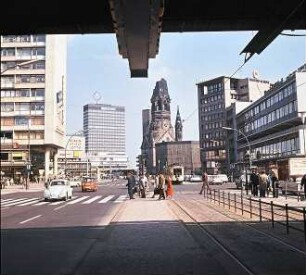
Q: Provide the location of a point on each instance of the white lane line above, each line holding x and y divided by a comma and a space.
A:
121, 198
60, 207
15, 202
30, 219
31, 201
78, 200
92, 199
106, 199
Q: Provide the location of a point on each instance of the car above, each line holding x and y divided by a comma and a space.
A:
58, 189
195, 178
241, 181
75, 183
89, 184
291, 186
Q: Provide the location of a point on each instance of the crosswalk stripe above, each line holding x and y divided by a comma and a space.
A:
5, 200
121, 198
106, 199
29, 202
92, 199
57, 202
41, 203
10, 203
78, 200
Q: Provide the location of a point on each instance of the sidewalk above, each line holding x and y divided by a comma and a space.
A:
292, 201
33, 187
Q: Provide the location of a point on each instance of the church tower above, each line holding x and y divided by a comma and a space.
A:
161, 127
178, 126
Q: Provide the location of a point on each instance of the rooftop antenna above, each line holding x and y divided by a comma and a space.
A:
97, 97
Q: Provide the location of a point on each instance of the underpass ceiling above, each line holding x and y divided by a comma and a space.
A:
268, 17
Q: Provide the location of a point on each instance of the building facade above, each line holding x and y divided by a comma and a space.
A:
104, 131
274, 127
184, 153
33, 103
214, 96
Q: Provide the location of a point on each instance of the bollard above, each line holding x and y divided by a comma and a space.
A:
260, 216
229, 200
287, 218
242, 205
272, 214
250, 207
235, 202
219, 199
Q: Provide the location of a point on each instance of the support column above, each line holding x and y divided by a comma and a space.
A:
47, 163
55, 163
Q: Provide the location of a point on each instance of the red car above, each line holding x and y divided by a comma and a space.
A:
89, 184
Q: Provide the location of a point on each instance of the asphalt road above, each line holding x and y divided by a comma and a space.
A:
104, 232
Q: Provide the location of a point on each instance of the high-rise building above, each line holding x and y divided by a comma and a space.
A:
33, 103
214, 96
104, 131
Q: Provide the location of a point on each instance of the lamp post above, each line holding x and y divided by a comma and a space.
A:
250, 161
73, 135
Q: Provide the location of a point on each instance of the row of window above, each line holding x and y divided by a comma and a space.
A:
33, 106
11, 121
217, 116
215, 154
276, 149
10, 80
213, 125
213, 107
270, 101
214, 88
24, 52
23, 38
37, 65
34, 135
218, 134
211, 98
272, 116
23, 93
213, 143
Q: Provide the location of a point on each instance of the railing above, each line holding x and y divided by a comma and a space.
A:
290, 217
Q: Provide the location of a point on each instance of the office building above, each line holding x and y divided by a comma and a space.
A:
33, 103
104, 131
214, 96
274, 128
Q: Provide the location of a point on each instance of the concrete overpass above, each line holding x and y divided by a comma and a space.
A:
138, 24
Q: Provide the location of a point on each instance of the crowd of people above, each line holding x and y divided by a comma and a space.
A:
161, 185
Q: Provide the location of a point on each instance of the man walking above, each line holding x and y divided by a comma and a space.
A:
205, 183
254, 183
131, 182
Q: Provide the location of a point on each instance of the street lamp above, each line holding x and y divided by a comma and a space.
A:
250, 161
73, 135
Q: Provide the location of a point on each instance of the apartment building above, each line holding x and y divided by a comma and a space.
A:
33, 103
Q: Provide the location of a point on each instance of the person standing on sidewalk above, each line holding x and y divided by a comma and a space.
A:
170, 190
205, 183
161, 186
263, 183
254, 178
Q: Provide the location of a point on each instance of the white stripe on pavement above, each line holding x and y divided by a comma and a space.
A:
106, 199
121, 198
41, 203
91, 200
10, 203
78, 200
57, 202
5, 200
30, 219
30, 201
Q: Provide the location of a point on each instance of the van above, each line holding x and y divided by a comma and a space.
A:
217, 179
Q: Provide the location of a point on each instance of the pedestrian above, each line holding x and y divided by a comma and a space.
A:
131, 183
155, 185
142, 185
170, 190
273, 184
205, 183
161, 186
254, 178
303, 184
263, 183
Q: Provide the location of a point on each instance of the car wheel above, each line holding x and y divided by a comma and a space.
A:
66, 197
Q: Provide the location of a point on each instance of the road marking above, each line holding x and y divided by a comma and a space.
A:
78, 200
60, 207
5, 200
91, 200
30, 201
121, 198
57, 202
106, 199
41, 203
15, 202
30, 219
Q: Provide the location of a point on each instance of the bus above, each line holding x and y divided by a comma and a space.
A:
177, 172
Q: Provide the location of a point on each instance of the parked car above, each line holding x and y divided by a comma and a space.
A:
291, 186
89, 184
58, 189
240, 182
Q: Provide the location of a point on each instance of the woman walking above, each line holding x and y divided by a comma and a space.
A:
170, 190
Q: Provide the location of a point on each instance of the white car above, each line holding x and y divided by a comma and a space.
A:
58, 189
75, 183
195, 178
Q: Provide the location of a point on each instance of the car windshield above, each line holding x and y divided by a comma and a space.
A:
60, 182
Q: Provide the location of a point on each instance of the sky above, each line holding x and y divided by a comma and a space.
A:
94, 65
